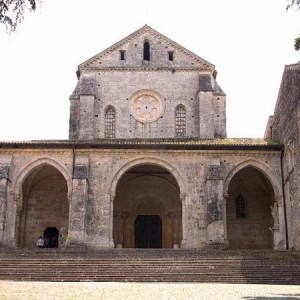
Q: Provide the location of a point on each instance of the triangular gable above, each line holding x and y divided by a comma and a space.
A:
188, 58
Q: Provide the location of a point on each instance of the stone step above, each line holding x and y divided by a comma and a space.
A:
152, 266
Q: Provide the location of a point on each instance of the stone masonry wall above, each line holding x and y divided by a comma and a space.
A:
116, 89
199, 174
205, 114
286, 128
112, 77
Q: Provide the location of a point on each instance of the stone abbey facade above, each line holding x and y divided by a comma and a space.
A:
148, 163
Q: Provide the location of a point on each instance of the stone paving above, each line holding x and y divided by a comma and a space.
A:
10, 290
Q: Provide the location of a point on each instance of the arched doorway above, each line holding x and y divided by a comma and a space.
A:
147, 231
45, 206
147, 209
249, 210
51, 237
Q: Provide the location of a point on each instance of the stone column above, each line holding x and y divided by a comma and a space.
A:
4, 180
225, 199
171, 216
215, 217
174, 217
176, 231
121, 219
79, 200
119, 237
278, 224
108, 211
184, 200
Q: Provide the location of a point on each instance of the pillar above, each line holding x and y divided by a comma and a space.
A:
278, 228
4, 181
79, 200
215, 208
174, 217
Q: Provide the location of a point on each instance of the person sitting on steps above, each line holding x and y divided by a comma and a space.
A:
40, 242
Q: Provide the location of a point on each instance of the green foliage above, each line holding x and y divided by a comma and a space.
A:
293, 3
297, 44
296, 4
273, 141
12, 12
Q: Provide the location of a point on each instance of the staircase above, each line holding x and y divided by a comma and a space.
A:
149, 265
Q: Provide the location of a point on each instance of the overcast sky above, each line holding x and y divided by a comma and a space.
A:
249, 42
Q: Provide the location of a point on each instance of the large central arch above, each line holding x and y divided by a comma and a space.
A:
147, 208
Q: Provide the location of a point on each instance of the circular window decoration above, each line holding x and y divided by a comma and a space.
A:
146, 106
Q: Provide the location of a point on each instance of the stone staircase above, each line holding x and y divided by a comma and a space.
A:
149, 265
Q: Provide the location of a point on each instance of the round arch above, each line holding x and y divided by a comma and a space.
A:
261, 166
147, 161
269, 211
142, 201
55, 190
26, 170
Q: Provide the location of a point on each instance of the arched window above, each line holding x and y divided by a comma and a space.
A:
180, 121
110, 123
171, 55
240, 207
122, 55
146, 51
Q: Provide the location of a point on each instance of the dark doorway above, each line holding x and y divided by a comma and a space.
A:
51, 237
148, 231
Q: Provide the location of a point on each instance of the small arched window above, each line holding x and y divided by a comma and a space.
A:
171, 55
122, 55
146, 51
240, 207
180, 121
110, 123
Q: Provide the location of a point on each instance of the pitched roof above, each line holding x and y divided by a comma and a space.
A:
159, 143
147, 29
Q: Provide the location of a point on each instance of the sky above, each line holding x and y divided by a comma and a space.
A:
249, 42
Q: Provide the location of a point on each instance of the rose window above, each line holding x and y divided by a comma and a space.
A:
146, 107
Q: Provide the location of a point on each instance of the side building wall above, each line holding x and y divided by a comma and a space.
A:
285, 126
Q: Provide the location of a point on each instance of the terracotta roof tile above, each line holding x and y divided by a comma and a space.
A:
183, 142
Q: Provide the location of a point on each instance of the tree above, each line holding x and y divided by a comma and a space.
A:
297, 44
293, 3
12, 11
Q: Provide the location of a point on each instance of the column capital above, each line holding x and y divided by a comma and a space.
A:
69, 197
112, 197
182, 196
225, 196
278, 200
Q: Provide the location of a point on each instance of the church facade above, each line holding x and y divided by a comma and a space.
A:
147, 164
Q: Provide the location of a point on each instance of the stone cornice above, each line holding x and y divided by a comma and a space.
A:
148, 68
107, 153
171, 143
